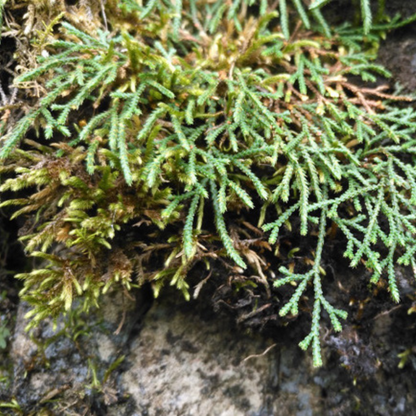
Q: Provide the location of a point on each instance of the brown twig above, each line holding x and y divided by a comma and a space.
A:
259, 355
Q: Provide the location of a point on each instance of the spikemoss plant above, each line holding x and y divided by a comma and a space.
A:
186, 114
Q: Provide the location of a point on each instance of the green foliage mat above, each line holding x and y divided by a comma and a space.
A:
184, 114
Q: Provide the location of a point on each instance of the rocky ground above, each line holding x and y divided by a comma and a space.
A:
173, 357
213, 356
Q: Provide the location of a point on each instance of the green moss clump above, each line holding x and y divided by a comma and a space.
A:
154, 137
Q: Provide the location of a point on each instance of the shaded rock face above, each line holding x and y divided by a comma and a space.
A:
180, 359
401, 43
68, 364
186, 362
183, 358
